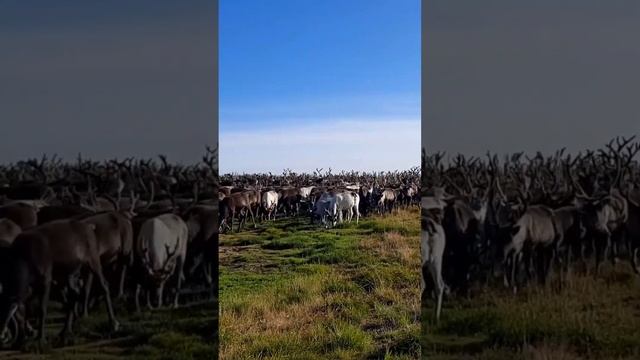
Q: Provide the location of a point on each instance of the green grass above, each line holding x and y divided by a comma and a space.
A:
183, 333
295, 291
588, 318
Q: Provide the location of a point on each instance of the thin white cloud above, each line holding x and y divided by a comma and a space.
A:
342, 144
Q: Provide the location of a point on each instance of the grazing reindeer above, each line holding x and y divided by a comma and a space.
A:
232, 205
536, 229
57, 251
270, 203
343, 201
114, 235
320, 208
161, 249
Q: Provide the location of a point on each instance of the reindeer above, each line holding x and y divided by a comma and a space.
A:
202, 246
58, 251
289, 199
235, 204
161, 248
432, 247
537, 230
343, 201
270, 203
114, 236
387, 200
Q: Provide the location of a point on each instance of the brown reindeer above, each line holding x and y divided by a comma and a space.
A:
202, 223
58, 251
234, 205
114, 235
289, 199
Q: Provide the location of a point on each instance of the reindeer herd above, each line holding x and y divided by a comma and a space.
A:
322, 197
523, 218
83, 232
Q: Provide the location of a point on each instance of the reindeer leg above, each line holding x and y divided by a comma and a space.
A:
97, 270
208, 273
436, 272
252, 217
44, 302
67, 331
583, 257
514, 267
137, 297
159, 291
439, 304
233, 217
87, 292
123, 274
242, 220
613, 253
24, 327
423, 283
12, 313
180, 268
148, 294
567, 262
72, 302
528, 259
507, 265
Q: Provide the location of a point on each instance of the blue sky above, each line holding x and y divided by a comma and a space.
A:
342, 78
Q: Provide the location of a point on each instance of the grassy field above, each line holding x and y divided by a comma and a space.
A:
184, 333
588, 319
295, 291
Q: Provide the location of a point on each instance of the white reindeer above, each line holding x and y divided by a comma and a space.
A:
270, 203
343, 201
432, 244
162, 247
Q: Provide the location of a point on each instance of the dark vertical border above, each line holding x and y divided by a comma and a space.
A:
217, 162
423, 122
